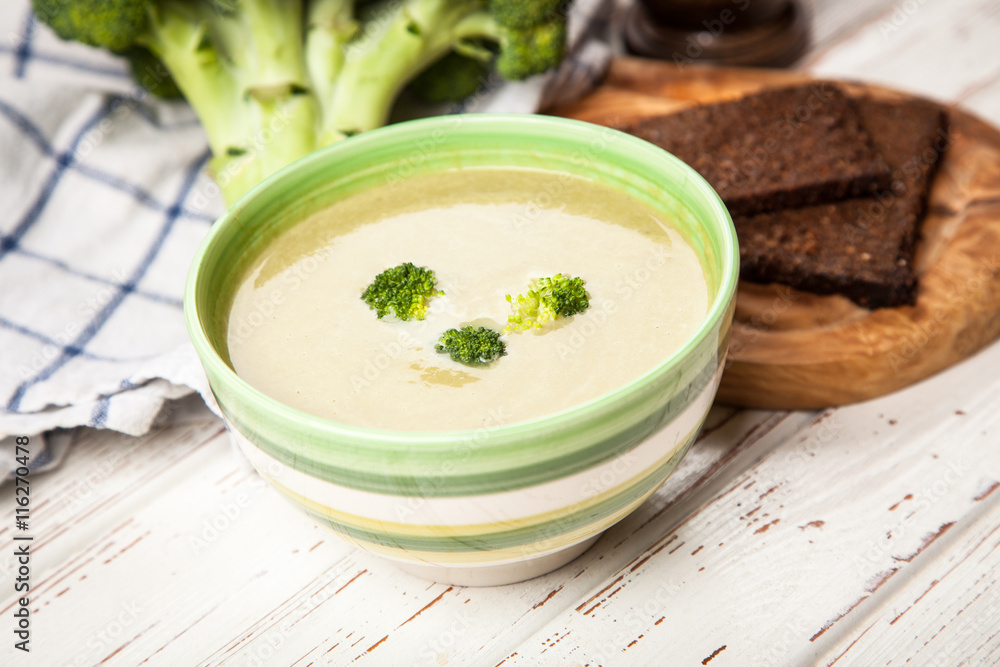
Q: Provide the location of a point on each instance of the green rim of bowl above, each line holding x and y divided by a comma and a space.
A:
587, 150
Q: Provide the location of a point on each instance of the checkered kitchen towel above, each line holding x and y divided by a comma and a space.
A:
103, 201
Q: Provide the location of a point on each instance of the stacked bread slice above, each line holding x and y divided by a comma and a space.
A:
827, 192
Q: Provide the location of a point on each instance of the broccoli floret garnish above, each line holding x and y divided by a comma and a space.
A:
404, 290
471, 345
547, 299
320, 70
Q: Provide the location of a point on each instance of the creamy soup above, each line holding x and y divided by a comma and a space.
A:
300, 333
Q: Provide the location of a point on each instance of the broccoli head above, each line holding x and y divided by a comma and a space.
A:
320, 70
151, 74
531, 35
526, 13
546, 300
471, 345
110, 24
450, 79
532, 50
404, 290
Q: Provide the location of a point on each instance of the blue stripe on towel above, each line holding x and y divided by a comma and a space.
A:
10, 241
152, 296
22, 52
91, 330
46, 340
30, 130
99, 416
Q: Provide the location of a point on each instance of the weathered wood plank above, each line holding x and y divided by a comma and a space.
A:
947, 613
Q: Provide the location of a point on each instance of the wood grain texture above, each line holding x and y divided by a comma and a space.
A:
807, 556
794, 350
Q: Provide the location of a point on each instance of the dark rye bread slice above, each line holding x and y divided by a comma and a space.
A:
775, 149
861, 248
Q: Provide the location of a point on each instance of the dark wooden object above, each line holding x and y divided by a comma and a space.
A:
770, 33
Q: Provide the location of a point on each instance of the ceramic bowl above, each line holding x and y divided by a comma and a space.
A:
479, 507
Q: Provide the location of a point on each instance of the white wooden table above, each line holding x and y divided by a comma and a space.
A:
864, 535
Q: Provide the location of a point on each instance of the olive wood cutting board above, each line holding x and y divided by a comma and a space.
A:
794, 350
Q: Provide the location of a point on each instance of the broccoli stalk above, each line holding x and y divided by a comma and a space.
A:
330, 27
243, 73
400, 40
273, 80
